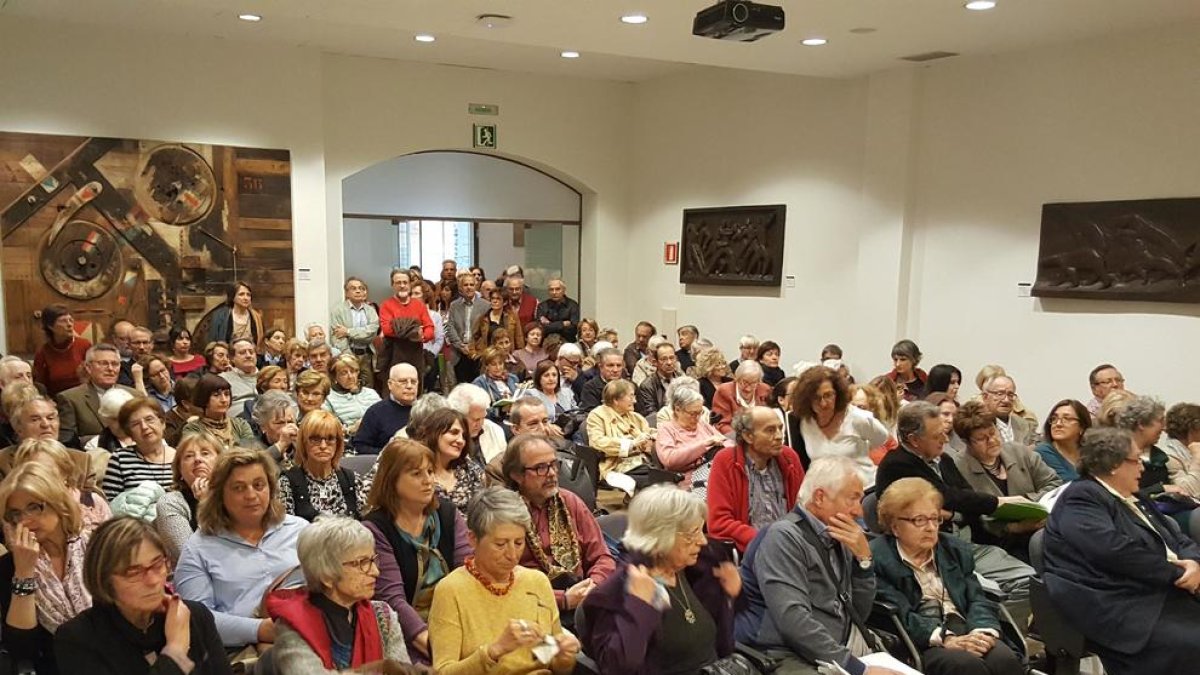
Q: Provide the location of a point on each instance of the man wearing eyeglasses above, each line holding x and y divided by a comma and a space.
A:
1104, 379
565, 542
570, 368
652, 392
79, 407
808, 578
999, 396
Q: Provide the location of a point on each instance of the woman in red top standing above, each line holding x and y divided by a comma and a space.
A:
56, 364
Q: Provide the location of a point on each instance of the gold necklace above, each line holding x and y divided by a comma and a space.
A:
688, 615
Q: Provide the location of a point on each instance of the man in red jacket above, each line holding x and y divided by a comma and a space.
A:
754, 483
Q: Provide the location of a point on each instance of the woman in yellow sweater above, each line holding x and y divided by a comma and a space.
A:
491, 615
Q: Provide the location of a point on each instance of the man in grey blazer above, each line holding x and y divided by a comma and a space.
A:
999, 395
355, 323
807, 573
79, 407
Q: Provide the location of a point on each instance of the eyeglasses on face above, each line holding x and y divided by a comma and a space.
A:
695, 536
323, 440
1063, 419
543, 469
923, 521
135, 573
1009, 395
14, 516
363, 565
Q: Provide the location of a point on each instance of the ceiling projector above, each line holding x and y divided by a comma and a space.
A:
738, 20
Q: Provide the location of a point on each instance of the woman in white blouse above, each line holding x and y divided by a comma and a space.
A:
831, 426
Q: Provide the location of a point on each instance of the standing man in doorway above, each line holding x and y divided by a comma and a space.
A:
406, 326
465, 309
559, 314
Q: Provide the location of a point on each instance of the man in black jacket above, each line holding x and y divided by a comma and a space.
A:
559, 314
922, 439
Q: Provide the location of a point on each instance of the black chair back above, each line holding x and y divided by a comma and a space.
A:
1037, 554
870, 507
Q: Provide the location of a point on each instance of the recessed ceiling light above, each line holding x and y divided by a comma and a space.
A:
814, 41
250, 17
980, 5
634, 18
570, 55
424, 37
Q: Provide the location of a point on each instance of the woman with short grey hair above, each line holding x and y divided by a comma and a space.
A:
333, 625
275, 414
489, 614
1118, 570
672, 568
1144, 417
687, 442
667, 412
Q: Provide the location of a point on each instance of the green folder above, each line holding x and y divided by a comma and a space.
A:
1020, 511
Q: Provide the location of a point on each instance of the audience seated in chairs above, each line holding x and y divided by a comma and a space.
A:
457, 474
688, 442
753, 483
212, 398
490, 613
52, 455
316, 484
621, 434
1119, 571
670, 608
135, 625
1065, 425
385, 418
177, 510
275, 414
564, 541
801, 570
747, 390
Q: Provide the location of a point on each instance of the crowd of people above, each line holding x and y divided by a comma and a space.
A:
389, 492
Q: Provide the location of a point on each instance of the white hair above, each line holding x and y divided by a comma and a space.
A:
466, 396
825, 473
748, 341
6, 367
657, 514
323, 543
747, 369
399, 368
600, 346
570, 349
654, 342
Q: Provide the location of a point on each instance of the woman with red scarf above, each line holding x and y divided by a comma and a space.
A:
333, 625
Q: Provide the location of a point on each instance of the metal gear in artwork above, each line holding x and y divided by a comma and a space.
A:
175, 185
83, 262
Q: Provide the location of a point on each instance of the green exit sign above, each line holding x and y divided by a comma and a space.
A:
485, 136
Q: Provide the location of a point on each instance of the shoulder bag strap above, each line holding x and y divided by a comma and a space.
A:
814, 539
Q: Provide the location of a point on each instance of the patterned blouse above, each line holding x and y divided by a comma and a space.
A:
468, 481
326, 495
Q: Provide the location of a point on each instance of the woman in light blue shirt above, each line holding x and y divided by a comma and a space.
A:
547, 388
245, 543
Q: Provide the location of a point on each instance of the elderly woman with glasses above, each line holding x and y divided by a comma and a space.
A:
316, 485
244, 544
1118, 570
491, 613
150, 457
688, 441
41, 576
930, 577
136, 625
333, 625
670, 608
63, 462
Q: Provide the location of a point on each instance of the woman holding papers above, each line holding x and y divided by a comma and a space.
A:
1003, 470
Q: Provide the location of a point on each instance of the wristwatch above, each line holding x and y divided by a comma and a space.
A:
865, 563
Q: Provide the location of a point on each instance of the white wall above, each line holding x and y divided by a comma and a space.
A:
82, 81
458, 186
376, 248
998, 137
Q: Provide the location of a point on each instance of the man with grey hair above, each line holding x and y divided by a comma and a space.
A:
570, 368
1000, 396
487, 438
755, 482
383, 419
464, 312
243, 376
610, 366
355, 322
687, 340
922, 437
746, 390
565, 542
16, 369
79, 407
558, 314
808, 579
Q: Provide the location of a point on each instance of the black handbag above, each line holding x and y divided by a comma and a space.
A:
744, 660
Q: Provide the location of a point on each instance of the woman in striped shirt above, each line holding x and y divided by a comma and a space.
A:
149, 459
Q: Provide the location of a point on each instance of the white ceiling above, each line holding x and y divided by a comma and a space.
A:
612, 50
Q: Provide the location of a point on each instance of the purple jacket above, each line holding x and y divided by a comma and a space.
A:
622, 630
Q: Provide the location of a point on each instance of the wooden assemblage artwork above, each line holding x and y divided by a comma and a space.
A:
149, 231
1145, 250
738, 245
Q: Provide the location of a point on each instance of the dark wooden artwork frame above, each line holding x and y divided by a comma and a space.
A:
1143, 249
150, 231
733, 245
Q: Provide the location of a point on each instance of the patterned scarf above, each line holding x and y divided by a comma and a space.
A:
564, 545
222, 429
60, 600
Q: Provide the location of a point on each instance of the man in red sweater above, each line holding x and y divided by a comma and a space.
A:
411, 316
754, 483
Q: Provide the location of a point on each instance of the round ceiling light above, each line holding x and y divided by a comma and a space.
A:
814, 42
634, 19
424, 37
980, 5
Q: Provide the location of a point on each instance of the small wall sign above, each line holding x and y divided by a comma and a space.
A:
485, 136
671, 253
